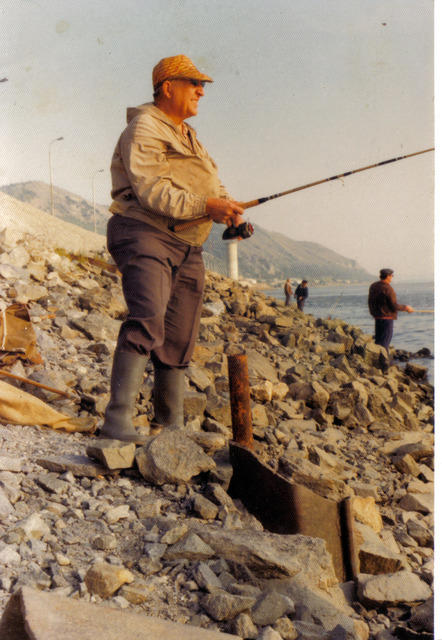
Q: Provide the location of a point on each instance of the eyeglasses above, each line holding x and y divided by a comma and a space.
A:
193, 81
198, 83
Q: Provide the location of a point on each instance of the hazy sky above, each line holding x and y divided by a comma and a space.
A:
304, 89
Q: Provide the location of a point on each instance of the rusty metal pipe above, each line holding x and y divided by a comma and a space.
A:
240, 400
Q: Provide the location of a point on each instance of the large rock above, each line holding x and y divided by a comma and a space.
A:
172, 457
199, 377
322, 607
31, 528
244, 627
375, 355
5, 506
97, 326
114, 454
104, 579
403, 587
366, 511
424, 502
422, 618
218, 408
260, 368
194, 404
374, 555
270, 555
225, 606
270, 607
77, 464
191, 547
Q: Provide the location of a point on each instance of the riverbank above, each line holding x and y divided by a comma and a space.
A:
165, 538
412, 332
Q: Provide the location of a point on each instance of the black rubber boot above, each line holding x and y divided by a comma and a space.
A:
168, 398
127, 375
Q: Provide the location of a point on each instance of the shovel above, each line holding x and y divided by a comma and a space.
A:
87, 403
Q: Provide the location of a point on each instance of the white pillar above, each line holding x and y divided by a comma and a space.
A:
232, 252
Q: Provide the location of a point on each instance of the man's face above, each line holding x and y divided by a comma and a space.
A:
389, 278
183, 98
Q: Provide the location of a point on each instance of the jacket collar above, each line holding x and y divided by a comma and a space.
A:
155, 112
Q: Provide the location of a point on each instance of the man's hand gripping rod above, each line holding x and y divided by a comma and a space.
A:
181, 226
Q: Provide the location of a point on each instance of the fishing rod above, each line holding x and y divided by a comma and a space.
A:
181, 226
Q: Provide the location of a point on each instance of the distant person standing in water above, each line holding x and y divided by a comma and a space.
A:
288, 292
301, 294
383, 306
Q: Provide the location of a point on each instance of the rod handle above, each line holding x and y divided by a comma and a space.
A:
188, 224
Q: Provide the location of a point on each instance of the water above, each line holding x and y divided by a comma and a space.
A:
412, 331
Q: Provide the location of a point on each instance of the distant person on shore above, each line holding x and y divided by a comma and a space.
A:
161, 173
383, 306
288, 292
301, 294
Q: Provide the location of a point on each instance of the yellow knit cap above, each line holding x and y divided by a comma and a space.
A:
176, 67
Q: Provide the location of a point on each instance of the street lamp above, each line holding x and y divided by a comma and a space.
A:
50, 173
93, 196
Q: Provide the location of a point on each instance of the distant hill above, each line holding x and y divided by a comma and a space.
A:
266, 256
67, 206
18, 217
270, 256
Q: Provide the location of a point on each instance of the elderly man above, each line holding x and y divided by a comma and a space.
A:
161, 173
383, 306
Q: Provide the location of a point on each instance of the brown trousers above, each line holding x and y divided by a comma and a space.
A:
163, 281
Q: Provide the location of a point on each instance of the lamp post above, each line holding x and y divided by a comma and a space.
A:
50, 173
93, 196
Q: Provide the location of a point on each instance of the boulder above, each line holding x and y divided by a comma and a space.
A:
113, 454
225, 606
171, 457
271, 555
366, 511
104, 579
394, 589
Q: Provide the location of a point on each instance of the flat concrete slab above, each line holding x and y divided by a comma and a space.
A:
38, 615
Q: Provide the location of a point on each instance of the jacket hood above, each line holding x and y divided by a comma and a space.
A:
133, 112
148, 108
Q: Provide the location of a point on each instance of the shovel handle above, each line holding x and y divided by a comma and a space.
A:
36, 384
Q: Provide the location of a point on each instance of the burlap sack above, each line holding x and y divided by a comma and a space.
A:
17, 335
19, 407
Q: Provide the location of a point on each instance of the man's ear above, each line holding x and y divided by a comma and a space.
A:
167, 88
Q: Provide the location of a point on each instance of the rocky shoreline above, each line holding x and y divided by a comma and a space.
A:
158, 534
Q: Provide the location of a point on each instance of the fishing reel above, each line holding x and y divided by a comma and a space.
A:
244, 230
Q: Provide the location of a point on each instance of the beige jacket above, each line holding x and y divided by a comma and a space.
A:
159, 175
